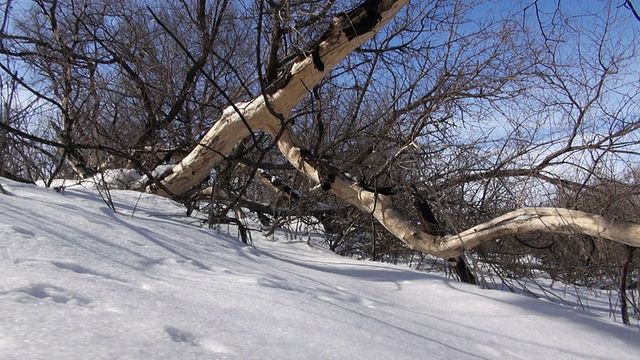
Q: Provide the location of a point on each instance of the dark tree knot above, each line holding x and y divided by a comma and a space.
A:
317, 62
357, 23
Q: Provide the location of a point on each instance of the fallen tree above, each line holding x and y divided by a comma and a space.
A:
271, 113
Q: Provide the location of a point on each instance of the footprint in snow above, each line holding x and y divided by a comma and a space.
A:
82, 270
181, 336
23, 231
37, 292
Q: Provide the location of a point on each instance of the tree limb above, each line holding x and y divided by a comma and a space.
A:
348, 31
346, 34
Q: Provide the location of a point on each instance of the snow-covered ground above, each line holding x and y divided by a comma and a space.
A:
82, 282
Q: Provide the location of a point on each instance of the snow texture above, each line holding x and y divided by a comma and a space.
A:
82, 282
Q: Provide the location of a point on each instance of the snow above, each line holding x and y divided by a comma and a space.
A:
82, 282
117, 178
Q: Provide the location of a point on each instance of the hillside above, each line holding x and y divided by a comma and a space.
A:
82, 282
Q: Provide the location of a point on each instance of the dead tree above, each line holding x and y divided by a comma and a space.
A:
270, 113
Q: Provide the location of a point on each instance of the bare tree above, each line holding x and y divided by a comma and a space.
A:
447, 125
271, 111
118, 89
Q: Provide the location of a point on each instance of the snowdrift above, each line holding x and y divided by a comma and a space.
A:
82, 282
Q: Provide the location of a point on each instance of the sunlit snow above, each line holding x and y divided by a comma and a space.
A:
82, 282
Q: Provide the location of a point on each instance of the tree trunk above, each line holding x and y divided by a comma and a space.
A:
348, 31
624, 306
269, 113
523, 221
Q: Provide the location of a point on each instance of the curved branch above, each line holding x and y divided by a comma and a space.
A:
547, 220
518, 222
630, 6
348, 31
262, 114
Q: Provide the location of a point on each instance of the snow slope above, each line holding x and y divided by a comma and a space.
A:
82, 282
